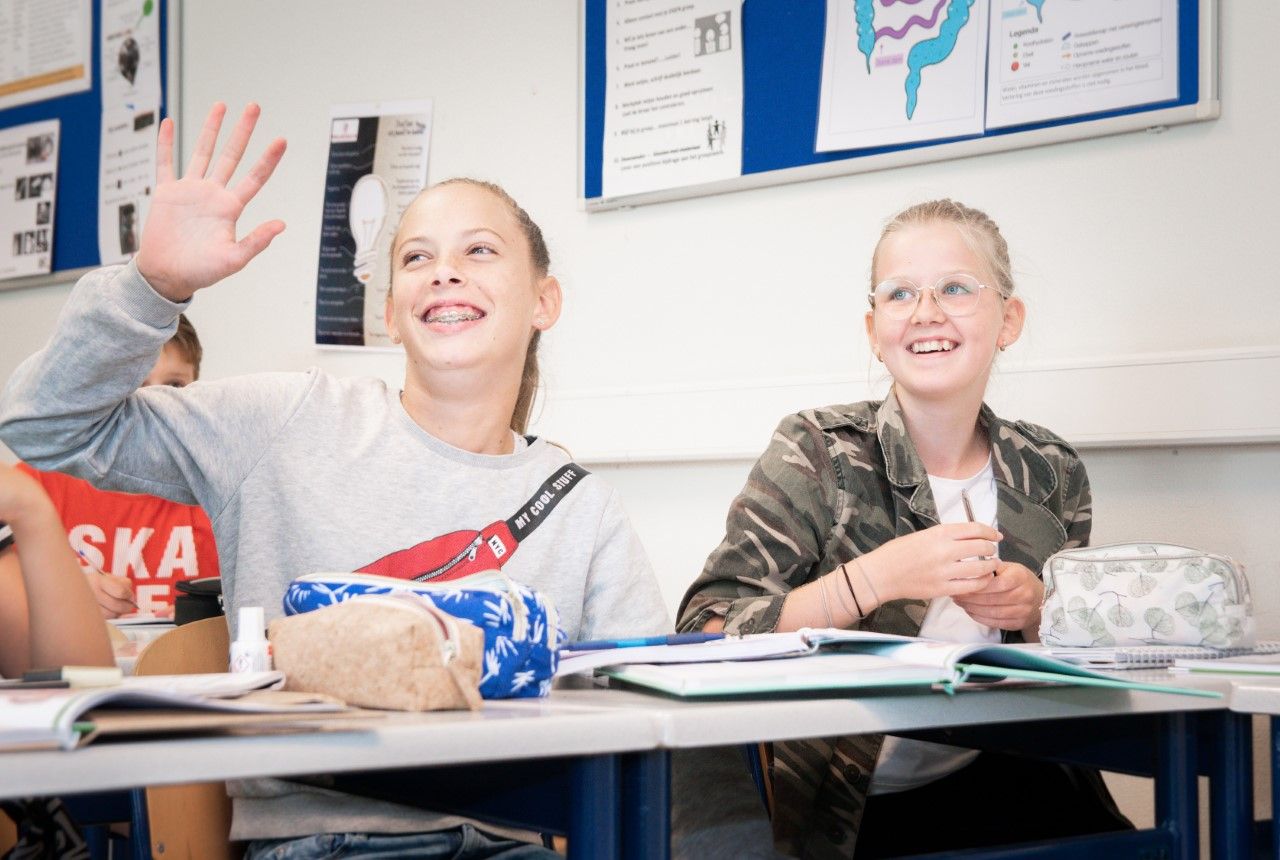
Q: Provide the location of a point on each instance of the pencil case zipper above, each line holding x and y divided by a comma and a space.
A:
496, 582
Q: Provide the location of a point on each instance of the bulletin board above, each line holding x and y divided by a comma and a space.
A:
75, 219
782, 57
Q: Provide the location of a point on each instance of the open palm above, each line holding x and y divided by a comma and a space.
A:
189, 241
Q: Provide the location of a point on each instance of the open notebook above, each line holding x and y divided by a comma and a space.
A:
47, 718
848, 660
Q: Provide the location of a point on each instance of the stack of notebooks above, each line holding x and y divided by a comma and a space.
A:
829, 659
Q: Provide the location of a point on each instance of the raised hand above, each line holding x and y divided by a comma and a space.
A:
942, 561
1010, 600
189, 241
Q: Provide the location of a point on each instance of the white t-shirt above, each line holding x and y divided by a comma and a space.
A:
906, 763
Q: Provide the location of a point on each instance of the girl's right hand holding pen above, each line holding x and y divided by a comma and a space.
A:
944, 560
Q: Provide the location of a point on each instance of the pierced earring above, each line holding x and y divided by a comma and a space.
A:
1002, 345
879, 358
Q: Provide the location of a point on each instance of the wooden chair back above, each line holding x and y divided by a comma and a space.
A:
189, 821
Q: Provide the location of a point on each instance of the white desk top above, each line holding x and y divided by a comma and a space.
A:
503, 730
581, 719
1256, 696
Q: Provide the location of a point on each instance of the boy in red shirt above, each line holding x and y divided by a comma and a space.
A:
133, 548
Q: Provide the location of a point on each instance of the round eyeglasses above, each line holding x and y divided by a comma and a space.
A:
957, 295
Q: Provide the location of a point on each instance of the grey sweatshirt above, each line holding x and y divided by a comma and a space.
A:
306, 472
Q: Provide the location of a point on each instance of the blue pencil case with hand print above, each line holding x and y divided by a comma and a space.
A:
522, 635
1145, 594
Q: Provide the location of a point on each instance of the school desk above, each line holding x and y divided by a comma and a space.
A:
594, 763
1152, 734
571, 755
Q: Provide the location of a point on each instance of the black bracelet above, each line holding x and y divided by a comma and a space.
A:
852, 593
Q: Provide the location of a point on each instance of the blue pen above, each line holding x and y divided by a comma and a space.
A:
640, 641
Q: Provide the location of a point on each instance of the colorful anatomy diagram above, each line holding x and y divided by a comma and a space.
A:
926, 52
902, 70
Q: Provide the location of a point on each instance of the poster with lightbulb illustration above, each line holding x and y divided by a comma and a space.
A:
377, 165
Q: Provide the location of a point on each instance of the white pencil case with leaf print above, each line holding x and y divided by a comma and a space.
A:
1145, 594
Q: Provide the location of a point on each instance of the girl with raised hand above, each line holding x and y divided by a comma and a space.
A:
923, 514
305, 472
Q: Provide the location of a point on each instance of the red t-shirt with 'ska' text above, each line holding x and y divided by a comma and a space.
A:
152, 541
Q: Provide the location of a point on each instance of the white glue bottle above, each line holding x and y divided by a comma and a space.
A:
251, 652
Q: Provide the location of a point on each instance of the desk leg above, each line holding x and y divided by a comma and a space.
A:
646, 814
1177, 797
595, 811
1275, 785
139, 825
1231, 786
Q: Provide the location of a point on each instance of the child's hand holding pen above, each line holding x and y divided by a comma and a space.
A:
968, 512
1012, 600
113, 593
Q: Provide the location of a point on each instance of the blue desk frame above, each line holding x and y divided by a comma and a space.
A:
1174, 748
623, 806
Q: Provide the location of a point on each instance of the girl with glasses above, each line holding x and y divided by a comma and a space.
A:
924, 514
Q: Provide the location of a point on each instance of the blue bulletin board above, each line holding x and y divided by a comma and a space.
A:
782, 57
75, 235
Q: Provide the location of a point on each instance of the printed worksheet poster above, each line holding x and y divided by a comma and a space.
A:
28, 187
900, 71
126, 176
130, 53
1062, 58
673, 103
45, 49
130, 72
377, 165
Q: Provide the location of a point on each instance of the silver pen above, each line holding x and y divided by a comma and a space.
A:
968, 512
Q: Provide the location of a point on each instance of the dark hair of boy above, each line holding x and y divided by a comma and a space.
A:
188, 343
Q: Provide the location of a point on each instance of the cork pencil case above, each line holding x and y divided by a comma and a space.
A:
395, 652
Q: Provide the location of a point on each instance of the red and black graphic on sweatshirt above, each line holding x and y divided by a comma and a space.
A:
465, 552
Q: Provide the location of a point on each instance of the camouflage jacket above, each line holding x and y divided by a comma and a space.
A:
836, 483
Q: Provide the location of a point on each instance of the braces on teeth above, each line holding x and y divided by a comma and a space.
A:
454, 316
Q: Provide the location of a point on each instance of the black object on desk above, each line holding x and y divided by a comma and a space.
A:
197, 599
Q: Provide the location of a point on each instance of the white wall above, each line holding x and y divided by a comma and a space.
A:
1125, 245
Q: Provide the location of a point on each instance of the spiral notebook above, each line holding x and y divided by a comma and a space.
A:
1152, 656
